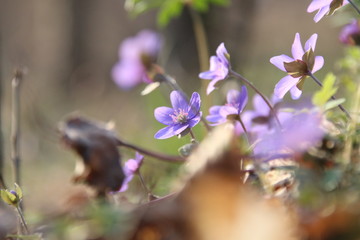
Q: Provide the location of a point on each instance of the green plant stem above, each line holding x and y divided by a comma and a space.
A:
160, 156
15, 125
245, 130
354, 6
241, 78
147, 190
192, 135
23, 222
332, 97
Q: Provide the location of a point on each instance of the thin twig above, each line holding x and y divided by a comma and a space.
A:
160, 156
241, 78
332, 97
15, 126
354, 6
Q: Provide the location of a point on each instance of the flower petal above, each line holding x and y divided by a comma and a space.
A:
278, 61
228, 110
171, 131
295, 92
194, 121
179, 128
178, 101
139, 158
194, 106
214, 115
243, 98
317, 4
214, 63
221, 53
163, 115
166, 132
125, 183
284, 85
296, 49
321, 13
319, 63
211, 87
127, 74
233, 97
260, 106
311, 42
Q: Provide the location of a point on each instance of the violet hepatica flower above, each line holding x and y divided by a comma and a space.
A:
131, 167
262, 118
299, 132
181, 117
219, 68
350, 33
298, 67
325, 7
137, 55
236, 102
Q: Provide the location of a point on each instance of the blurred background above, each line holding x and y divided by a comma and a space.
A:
69, 47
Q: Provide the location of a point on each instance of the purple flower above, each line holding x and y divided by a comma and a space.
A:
325, 7
181, 117
262, 118
298, 67
219, 68
236, 102
131, 167
299, 132
350, 33
137, 55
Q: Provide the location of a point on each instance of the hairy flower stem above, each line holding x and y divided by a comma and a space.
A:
175, 86
332, 97
147, 190
245, 130
241, 78
160, 156
354, 6
23, 222
192, 135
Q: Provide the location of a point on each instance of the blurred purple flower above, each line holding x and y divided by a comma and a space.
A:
325, 7
262, 118
181, 117
350, 33
299, 132
219, 68
236, 102
298, 67
137, 54
131, 167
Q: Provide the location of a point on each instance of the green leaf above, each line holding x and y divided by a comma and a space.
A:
200, 5
168, 10
18, 191
333, 103
326, 92
8, 197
